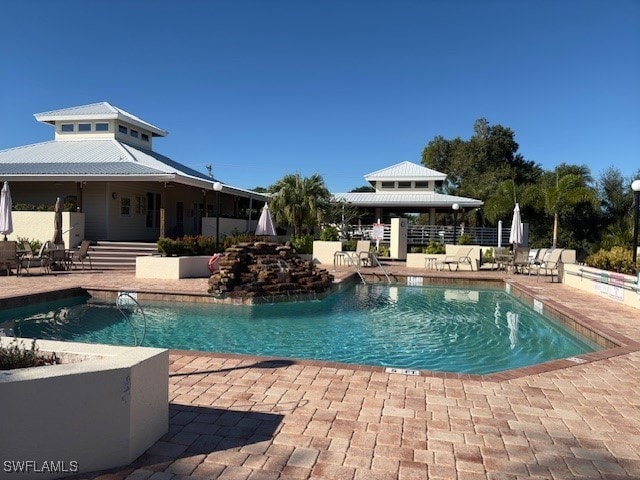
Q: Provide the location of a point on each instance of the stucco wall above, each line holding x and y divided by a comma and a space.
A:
101, 412
614, 286
39, 226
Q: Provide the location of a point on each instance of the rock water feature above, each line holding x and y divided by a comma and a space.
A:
267, 271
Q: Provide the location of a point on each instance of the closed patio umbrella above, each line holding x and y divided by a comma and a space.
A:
265, 224
515, 236
57, 223
6, 221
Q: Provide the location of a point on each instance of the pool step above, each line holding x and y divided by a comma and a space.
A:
119, 255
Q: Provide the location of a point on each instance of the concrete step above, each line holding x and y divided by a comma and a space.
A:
119, 255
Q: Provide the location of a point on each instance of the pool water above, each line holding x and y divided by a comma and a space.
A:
423, 328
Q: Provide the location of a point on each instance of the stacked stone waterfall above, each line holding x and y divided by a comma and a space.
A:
264, 269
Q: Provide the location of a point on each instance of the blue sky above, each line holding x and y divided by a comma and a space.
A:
261, 89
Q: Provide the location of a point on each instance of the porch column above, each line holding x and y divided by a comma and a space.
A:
163, 217
79, 196
432, 216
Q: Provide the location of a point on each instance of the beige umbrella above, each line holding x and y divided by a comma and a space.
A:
57, 223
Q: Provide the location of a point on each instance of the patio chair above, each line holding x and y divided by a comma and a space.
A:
30, 258
82, 254
360, 258
550, 263
9, 256
520, 260
461, 257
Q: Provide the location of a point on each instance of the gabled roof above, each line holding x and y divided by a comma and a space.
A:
98, 111
419, 200
101, 160
405, 171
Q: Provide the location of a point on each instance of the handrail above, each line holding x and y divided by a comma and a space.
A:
351, 261
120, 303
626, 284
381, 267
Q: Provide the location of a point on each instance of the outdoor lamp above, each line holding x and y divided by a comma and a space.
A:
455, 207
217, 186
635, 186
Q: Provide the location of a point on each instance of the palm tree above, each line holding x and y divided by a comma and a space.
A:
297, 201
558, 190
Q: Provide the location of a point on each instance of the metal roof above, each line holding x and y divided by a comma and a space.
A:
406, 200
98, 111
101, 159
405, 171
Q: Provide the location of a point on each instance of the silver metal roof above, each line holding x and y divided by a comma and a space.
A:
102, 159
406, 200
405, 171
98, 111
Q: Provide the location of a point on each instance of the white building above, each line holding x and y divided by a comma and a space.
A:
101, 162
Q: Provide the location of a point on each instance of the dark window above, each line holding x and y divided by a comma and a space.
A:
134, 133
422, 184
66, 127
404, 184
388, 185
145, 137
102, 127
84, 127
122, 129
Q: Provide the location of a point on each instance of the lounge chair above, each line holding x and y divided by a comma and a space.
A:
82, 254
461, 257
550, 263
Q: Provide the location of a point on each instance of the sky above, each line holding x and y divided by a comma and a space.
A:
265, 88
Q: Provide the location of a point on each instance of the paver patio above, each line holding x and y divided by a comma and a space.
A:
240, 417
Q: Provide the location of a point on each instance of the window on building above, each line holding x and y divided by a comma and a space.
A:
102, 127
125, 206
387, 185
84, 127
422, 184
66, 127
144, 137
404, 184
134, 133
122, 129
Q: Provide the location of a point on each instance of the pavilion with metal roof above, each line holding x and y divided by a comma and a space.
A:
406, 187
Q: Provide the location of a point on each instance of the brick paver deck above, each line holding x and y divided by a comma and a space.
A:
239, 417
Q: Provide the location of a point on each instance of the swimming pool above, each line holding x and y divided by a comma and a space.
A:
476, 331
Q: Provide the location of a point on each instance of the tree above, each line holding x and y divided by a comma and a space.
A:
343, 214
478, 166
297, 201
617, 207
560, 190
363, 189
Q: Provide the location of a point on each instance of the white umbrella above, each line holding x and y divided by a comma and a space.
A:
515, 236
6, 222
265, 224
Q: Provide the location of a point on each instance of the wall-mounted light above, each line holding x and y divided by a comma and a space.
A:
114, 195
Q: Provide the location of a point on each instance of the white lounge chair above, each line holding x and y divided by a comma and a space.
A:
461, 257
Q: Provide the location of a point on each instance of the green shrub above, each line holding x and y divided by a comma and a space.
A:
464, 239
417, 249
383, 251
35, 244
618, 259
350, 245
329, 234
487, 255
15, 355
303, 244
434, 248
187, 246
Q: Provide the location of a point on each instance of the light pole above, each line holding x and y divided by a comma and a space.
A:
455, 207
217, 186
635, 186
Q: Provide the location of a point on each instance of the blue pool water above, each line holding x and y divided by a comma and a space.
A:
423, 328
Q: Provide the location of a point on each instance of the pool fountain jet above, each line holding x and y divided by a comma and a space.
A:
264, 271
